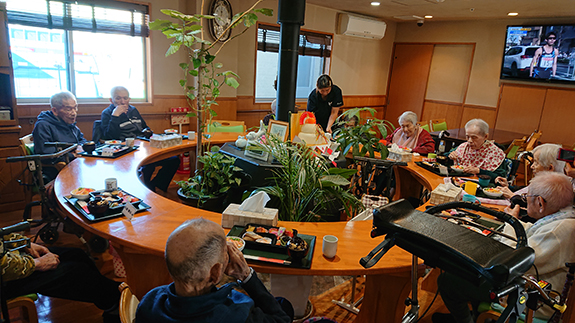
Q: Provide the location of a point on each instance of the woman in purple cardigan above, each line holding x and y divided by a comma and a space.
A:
410, 135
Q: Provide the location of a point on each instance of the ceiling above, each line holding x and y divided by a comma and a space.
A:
443, 10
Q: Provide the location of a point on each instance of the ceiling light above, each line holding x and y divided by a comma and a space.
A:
375, 3
513, 14
428, 17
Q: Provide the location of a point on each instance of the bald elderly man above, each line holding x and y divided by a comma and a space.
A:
197, 257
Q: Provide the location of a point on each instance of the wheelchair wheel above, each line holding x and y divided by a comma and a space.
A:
98, 244
49, 235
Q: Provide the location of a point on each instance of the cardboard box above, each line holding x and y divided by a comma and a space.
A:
233, 216
400, 157
4, 114
440, 196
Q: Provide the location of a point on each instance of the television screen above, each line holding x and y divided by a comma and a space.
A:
543, 53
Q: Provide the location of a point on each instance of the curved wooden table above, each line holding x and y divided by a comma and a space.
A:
141, 242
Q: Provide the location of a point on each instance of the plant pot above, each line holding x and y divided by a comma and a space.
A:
214, 204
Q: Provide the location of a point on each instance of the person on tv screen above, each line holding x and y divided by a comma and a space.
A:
544, 63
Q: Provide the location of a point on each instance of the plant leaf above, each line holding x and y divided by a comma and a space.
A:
232, 82
219, 65
174, 47
191, 96
193, 72
182, 82
265, 11
209, 58
159, 24
184, 65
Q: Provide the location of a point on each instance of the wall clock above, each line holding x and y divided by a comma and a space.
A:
222, 10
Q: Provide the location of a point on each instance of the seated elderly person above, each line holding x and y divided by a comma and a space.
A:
58, 272
410, 135
544, 159
197, 257
478, 155
549, 200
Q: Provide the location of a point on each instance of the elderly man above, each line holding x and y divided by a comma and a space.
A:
57, 125
197, 257
121, 120
478, 155
549, 201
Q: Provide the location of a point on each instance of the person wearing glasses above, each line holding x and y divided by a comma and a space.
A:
544, 63
544, 159
121, 120
549, 200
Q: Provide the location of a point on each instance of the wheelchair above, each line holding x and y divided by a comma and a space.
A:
461, 252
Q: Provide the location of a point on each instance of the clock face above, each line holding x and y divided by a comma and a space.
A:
222, 10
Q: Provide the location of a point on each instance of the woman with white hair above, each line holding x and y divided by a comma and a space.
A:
544, 159
410, 135
478, 155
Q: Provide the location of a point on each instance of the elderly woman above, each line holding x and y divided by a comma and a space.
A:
478, 155
410, 135
544, 159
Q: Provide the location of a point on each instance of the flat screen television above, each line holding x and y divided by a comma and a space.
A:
540, 53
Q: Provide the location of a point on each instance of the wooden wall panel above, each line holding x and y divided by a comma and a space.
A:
558, 119
520, 108
451, 112
472, 112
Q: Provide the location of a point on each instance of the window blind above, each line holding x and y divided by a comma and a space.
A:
93, 16
310, 43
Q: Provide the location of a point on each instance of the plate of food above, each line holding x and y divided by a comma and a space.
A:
492, 192
239, 242
82, 193
457, 168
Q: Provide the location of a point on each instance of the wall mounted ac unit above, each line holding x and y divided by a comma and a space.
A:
352, 25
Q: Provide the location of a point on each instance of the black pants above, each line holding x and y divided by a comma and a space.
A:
165, 174
76, 278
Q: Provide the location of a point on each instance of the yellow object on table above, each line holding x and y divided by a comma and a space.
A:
470, 187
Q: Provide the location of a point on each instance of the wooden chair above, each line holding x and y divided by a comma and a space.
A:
438, 124
27, 307
424, 125
514, 148
226, 126
530, 143
128, 304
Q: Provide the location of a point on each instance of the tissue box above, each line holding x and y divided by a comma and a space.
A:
440, 196
233, 216
403, 156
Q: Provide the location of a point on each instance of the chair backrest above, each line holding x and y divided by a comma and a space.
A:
532, 140
97, 131
128, 304
226, 126
26, 303
27, 145
438, 124
424, 125
514, 147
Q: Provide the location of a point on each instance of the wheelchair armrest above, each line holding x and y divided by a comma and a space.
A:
42, 157
507, 266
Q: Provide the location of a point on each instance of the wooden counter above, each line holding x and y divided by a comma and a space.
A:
141, 242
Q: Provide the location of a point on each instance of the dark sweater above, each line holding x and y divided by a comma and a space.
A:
127, 125
225, 304
50, 128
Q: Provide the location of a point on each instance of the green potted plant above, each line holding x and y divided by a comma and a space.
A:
211, 184
304, 185
202, 76
359, 136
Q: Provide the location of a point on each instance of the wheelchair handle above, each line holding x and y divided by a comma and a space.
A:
383, 162
41, 157
519, 230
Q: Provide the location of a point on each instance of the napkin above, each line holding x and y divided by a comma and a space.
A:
255, 203
446, 187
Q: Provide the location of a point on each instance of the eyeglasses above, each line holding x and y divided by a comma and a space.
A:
552, 38
524, 197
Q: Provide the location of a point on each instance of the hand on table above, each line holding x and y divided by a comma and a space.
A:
119, 110
237, 267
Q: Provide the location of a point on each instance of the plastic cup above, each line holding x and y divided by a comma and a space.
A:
484, 180
191, 135
471, 187
130, 142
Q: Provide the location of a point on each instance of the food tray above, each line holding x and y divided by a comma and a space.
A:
125, 196
120, 151
255, 249
111, 213
435, 170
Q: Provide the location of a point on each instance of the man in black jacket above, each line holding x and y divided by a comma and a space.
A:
120, 121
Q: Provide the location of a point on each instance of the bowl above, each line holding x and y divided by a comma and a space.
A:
297, 249
82, 193
237, 241
98, 206
492, 192
457, 168
89, 147
443, 160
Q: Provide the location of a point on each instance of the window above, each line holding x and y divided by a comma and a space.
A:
313, 60
82, 46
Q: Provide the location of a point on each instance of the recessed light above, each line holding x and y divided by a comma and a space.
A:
375, 3
428, 17
513, 14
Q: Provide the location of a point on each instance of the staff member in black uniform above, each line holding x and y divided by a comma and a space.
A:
324, 101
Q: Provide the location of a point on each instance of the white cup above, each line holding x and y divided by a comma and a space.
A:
191, 135
329, 247
111, 184
443, 170
130, 142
